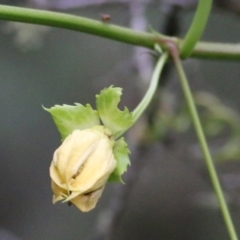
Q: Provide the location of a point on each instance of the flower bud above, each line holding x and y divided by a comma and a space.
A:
81, 167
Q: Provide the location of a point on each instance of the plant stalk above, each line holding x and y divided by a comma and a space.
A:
197, 27
138, 111
204, 50
152, 87
203, 143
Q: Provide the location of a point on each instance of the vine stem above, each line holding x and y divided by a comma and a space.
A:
202, 140
152, 87
204, 50
138, 111
197, 27
77, 23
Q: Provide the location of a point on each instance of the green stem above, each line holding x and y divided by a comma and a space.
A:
197, 27
204, 146
152, 87
77, 23
138, 111
219, 51
204, 50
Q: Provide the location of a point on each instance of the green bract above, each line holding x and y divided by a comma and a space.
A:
69, 118
114, 119
121, 153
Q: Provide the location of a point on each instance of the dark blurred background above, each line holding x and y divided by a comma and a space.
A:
171, 198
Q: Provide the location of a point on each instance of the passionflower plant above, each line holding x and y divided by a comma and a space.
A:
81, 167
91, 154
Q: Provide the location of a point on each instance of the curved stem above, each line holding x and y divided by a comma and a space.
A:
205, 50
219, 51
204, 146
138, 111
152, 87
197, 27
77, 23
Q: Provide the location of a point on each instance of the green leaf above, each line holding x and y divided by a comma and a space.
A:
68, 118
107, 106
121, 154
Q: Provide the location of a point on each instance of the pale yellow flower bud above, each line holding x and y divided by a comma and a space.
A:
81, 167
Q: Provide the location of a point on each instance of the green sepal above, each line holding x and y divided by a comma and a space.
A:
68, 118
121, 154
107, 107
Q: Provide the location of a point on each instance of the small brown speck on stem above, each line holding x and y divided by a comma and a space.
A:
105, 17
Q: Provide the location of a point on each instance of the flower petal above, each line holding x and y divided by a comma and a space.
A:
81, 167
56, 177
86, 202
97, 169
74, 151
59, 193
